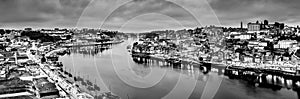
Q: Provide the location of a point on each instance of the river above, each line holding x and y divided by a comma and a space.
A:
114, 69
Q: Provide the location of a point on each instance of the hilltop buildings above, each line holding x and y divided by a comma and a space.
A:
264, 41
63, 34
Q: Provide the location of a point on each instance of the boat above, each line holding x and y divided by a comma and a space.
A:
129, 48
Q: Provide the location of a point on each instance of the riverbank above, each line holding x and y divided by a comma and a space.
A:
91, 43
90, 66
190, 61
278, 69
68, 86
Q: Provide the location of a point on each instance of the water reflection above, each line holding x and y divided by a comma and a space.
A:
85, 75
276, 82
261, 80
82, 79
182, 67
89, 50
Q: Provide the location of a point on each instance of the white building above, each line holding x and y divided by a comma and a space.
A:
286, 44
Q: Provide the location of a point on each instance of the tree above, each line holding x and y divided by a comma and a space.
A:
36, 35
2, 31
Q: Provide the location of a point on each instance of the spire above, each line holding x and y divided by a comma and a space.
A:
241, 24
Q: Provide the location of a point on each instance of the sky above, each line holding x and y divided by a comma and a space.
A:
144, 15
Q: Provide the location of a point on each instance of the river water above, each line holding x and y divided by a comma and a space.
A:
115, 70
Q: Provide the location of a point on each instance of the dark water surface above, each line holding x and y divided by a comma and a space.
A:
114, 69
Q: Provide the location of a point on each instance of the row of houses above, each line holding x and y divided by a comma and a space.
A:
261, 44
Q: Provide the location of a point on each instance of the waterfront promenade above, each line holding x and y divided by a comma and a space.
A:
189, 63
69, 88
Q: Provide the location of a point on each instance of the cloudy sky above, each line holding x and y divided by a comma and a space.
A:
143, 15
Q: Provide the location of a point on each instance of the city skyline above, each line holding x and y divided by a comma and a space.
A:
141, 15
150, 49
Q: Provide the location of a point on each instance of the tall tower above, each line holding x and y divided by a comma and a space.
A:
266, 22
241, 25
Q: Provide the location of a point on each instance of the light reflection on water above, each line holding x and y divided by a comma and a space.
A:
123, 76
